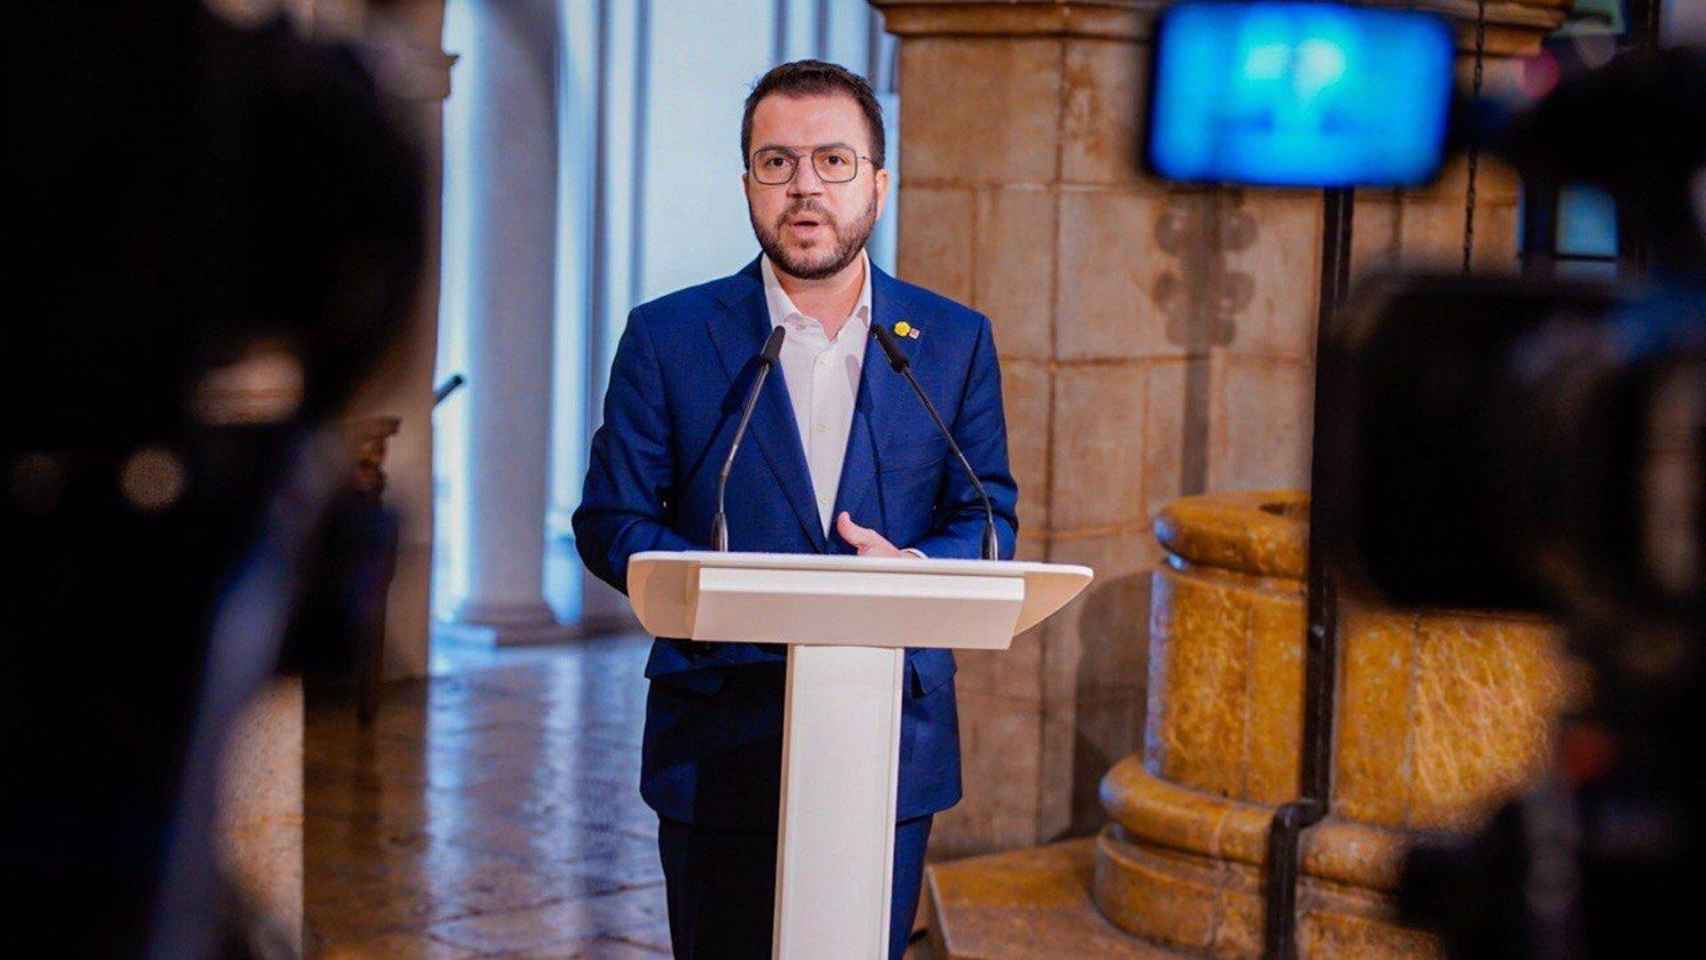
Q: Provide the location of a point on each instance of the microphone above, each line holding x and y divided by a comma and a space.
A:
903, 366
766, 360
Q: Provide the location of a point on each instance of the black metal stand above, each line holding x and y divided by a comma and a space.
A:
1321, 645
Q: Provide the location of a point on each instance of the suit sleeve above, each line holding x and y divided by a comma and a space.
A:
979, 426
630, 473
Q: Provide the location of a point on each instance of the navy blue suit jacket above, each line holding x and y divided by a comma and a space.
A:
712, 752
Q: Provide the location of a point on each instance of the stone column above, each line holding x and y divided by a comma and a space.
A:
510, 283
1155, 341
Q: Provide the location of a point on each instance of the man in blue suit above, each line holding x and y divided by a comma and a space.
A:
839, 458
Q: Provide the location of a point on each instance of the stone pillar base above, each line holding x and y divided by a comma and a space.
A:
1185, 868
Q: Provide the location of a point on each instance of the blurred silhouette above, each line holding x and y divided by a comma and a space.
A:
1514, 444
217, 234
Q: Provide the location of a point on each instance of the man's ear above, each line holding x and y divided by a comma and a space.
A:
882, 186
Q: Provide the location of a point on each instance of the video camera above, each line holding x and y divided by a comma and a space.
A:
1502, 443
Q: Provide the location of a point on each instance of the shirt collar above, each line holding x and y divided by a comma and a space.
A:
782, 307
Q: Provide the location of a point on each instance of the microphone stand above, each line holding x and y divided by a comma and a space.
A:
903, 366
766, 359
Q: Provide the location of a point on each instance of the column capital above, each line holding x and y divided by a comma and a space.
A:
1514, 27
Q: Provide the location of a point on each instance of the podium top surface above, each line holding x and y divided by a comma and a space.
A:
664, 585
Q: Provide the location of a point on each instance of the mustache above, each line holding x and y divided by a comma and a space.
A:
807, 206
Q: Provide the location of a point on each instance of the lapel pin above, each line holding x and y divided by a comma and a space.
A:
904, 329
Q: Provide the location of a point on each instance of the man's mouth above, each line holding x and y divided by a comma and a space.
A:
805, 220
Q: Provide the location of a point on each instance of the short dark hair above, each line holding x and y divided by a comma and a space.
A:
810, 78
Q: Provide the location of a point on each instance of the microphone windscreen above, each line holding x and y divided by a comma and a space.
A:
773, 346
897, 360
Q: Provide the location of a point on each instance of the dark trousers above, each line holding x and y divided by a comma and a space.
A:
722, 889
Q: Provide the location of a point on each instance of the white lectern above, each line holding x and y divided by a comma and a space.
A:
847, 621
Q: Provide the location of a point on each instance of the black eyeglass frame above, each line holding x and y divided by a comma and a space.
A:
794, 163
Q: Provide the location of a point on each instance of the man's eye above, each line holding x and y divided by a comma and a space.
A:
774, 163
835, 160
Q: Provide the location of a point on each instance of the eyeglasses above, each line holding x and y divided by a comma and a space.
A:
774, 166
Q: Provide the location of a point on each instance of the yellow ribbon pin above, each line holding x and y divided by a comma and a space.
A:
904, 329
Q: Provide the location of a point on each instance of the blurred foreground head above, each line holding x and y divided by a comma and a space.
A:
1522, 444
1541, 445
217, 235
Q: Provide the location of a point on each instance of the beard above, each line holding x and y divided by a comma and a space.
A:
824, 261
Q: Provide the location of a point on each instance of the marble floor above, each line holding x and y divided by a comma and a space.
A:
491, 811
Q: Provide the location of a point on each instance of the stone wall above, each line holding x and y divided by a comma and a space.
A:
1155, 341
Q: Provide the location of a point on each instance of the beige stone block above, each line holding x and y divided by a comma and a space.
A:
1262, 442
935, 240
1110, 271
1176, 431
994, 109
970, 828
1026, 394
1197, 293
1032, 546
1097, 447
1000, 755
1372, 748
1282, 258
1094, 668
1098, 645
1014, 673
1062, 781
1105, 82
1014, 266
1105, 730
1198, 660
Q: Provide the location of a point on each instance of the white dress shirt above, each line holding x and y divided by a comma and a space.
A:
823, 381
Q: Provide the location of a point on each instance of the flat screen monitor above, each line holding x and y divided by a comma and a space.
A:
1298, 94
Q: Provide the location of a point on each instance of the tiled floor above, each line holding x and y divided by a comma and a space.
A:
491, 811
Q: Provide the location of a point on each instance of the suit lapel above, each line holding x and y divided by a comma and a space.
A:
738, 333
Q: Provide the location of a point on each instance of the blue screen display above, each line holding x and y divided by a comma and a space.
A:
1299, 94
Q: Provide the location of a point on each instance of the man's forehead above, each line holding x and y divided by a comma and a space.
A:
810, 119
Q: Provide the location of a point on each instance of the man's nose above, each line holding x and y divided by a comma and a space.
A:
806, 182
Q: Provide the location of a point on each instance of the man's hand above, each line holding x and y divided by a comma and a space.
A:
868, 542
